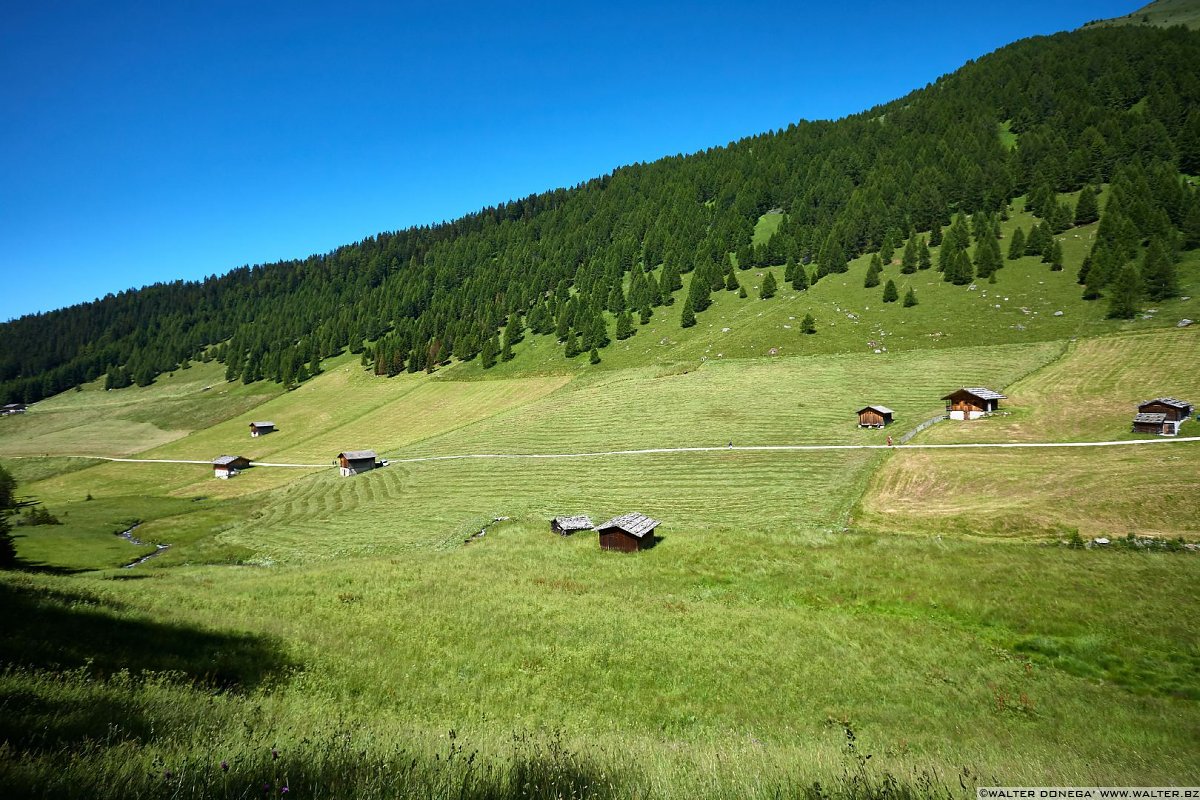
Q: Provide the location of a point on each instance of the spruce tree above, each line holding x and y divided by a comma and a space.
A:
910, 298
1056, 257
800, 278
1158, 271
935, 234
1016, 245
572, 347
924, 257
888, 248
1086, 209
1124, 292
769, 286
873, 269
808, 324
890, 295
624, 326
594, 356
742, 292
487, 356
908, 262
645, 314
789, 270
731, 282
1190, 226
688, 318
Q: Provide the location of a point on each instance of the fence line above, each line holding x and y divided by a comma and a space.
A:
926, 424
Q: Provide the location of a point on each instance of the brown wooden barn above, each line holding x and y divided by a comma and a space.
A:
12, 408
228, 466
627, 533
1173, 413
875, 417
972, 403
352, 462
1153, 423
565, 526
261, 428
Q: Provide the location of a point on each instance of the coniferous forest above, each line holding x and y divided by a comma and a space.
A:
1117, 106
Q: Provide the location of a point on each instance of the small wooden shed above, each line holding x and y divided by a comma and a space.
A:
875, 417
1154, 423
627, 533
12, 408
228, 466
1173, 411
261, 428
352, 462
565, 526
972, 402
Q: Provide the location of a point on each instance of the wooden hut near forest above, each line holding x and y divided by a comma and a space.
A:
1167, 413
12, 408
228, 466
972, 403
261, 428
352, 462
627, 533
875, 417
565, 526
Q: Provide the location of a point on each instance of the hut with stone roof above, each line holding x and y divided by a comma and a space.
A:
565, 526
627, 533
875, 416
972, 402
352, 462
227, 466
1162, 415
261, 428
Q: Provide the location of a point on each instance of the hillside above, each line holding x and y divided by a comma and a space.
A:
851, 620
1160, 13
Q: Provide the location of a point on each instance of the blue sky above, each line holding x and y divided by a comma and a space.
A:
146, 142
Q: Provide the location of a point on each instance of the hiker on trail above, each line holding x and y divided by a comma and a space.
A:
889, 441
731, 444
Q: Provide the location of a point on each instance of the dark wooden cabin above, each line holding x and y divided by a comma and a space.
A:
972, 403
875, 417
565, 526
261, 428
627, 533
1173, 411
1154, 423
228, 466
12, 408
352, 462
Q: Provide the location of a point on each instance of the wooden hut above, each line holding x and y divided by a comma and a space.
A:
565, 526
875, 417
972, 403
1172, 411
352, 462
12, 408
228, 466
627, 533
1153, 423
261, 428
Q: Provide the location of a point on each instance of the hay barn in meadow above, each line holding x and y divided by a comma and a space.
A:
261, 428
627, 533
1167, 413
972, 403
352, 462
565, 526
875, 417
228, 466
12, 408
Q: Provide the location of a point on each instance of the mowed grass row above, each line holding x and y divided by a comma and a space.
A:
438, 504
1089, 394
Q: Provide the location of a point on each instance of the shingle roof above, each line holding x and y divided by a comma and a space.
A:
1155, 419
357, 455
581, 522
981, 392
221, 461
634, 524
1168, 401
263, 424
880, 409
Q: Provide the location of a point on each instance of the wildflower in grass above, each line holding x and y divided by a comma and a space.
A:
284, 790
224, 766
274, 754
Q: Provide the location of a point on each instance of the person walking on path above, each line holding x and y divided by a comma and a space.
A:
889, 441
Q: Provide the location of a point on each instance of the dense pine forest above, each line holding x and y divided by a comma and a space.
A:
1044, 116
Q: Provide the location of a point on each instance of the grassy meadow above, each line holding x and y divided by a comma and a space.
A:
801, 611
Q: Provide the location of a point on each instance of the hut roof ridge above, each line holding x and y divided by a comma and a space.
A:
632, 523
357, 455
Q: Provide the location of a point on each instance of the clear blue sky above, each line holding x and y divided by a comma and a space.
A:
142, 142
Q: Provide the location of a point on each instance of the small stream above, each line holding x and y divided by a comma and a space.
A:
128, 536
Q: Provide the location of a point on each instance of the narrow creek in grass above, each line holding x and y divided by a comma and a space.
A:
128, 536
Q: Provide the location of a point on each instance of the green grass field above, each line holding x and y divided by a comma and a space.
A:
919, 599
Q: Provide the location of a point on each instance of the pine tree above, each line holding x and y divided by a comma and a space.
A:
888, 248
800, 279
688, 318
1016, 245
890, 295
742, 292
769, 286
594, 356
572, 347
910, 298
1082, 276
871, 279
789, 270
935, 234
1158, 271
1125, 291
487, 356
808, 324
1086, 209
908, 262
624, 326
987, 257
924, 257
1190, 226
731, 282
1056, 257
